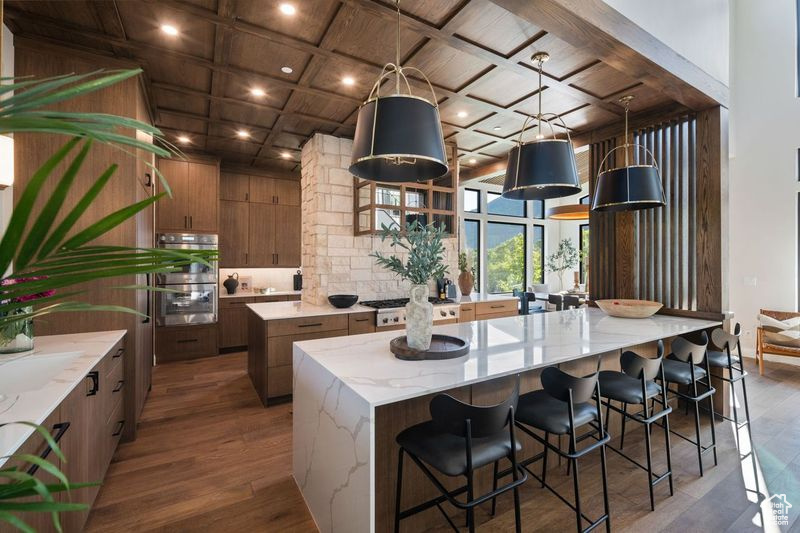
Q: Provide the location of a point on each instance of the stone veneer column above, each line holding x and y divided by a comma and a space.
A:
334, 261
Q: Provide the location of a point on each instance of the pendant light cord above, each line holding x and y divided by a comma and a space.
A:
627, 108
397, 56
539, 116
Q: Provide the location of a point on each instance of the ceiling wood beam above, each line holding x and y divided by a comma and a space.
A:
222, 49
623, 45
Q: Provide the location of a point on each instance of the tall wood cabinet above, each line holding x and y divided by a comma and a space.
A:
259, 221
129, 185
193, 206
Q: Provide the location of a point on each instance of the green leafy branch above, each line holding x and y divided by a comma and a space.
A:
425, 252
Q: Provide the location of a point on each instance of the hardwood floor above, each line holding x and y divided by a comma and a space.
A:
210, 458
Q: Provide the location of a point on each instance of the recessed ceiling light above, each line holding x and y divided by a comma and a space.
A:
286, 155
183, 139
462, 114
244, 134
472, 161
287, 70
169, 30
347, 80
496, 128
257, 91
287, 9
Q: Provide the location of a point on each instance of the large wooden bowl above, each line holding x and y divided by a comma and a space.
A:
629, 308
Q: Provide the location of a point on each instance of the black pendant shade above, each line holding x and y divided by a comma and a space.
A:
628, 189
398, 139
541, 169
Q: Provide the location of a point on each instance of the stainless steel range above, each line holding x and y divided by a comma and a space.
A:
392, 313
193, 299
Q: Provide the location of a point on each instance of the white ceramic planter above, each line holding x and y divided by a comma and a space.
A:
419, 318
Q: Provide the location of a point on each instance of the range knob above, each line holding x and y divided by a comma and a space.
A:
452, 313
396, 319
442, 313
385, 320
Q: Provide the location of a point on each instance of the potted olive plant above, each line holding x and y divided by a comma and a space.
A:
566, 257
425, 261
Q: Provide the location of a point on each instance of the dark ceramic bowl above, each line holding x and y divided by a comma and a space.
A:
342, 301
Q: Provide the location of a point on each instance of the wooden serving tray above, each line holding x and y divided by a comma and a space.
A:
442, 347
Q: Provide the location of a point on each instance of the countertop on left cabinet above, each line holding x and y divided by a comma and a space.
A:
58, 364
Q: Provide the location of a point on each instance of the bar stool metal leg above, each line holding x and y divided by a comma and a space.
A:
399, 491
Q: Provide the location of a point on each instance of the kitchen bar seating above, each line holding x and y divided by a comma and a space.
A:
687, 367
635, 385
562, 407
459, 439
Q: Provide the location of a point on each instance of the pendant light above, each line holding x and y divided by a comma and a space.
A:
569, 212
398, 136
545, 167
631, 187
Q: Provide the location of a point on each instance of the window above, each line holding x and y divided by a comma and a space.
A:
583, 246
472, 245
497, 205
586, 200
505, 257
538, 209
537, 253
472, 201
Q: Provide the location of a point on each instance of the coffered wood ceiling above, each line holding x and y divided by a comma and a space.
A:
476, 54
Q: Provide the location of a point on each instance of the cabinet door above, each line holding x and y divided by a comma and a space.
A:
233, 323
234, 187
261, 247
171, 213
262, 190
287, 192
287, 236
203, 185
234, 230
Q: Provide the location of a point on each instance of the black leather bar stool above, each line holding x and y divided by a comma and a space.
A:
571, 301
688, 366
459, 439
723, 357
562, 408
636, 385
557, 300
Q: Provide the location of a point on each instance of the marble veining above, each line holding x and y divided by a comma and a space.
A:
498, 347
35, 405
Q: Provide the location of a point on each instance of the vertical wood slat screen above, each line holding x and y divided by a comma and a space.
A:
602, 263
665, 263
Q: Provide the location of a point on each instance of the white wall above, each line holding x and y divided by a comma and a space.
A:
765, 137
6, 71
696, 29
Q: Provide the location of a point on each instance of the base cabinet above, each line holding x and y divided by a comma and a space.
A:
180, 343
87, 426
233, 318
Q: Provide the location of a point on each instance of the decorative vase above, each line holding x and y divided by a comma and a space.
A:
17, 336
419, 319
231, 283
466, 281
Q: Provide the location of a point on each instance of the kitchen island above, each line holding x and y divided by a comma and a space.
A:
352, 396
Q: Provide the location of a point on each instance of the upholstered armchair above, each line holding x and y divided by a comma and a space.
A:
778, 333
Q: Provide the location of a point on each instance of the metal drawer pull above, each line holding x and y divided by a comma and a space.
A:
120, 383
309, 325
95, 377
60, 429
180, 341
497, 306
118, 432
119, 353
361, 319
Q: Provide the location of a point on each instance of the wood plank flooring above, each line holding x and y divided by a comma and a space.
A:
210, 458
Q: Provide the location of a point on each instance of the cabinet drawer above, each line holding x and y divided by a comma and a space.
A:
112, 388
301, 326
507, 307
112, 433
362, 323
466, 313
279, 381
185, 342
235, 303
279, 349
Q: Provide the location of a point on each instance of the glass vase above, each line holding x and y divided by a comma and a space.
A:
17, 336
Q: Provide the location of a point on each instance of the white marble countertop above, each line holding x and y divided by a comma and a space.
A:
499, 347
22, 405
279, 310
251, 294
477, 297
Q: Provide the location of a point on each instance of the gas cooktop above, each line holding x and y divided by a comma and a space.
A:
401, 302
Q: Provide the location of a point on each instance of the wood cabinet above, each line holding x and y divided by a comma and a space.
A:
195, 197
179, 343
87, 426
269, 353
466, 312
233, 318
496, 309
260, 222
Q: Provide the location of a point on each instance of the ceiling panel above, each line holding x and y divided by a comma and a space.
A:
179, 123
469, 140
503, 87
228, 131
473, 112
446, 66
601, 80
309, 104
507, 125
247, 115
333, 71
564, 58
182, 102
308, 23
239, 87
553, 101
374, 39
180, 73
493, 27
233, 146
589, 115
266, 57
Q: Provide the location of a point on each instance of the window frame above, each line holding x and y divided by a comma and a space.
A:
525, 249
524, 207
544, 253
479, 253
463, 202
